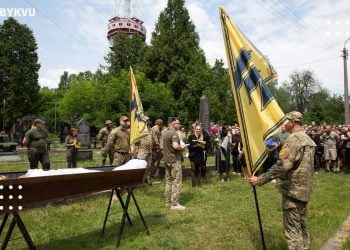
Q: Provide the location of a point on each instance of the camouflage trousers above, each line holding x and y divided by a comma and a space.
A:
36, 155
173, 182
120, 158
295, 223
72, 157
154, 165
107, 153
148, 158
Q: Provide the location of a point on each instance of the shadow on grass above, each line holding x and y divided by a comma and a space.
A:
185, 197
95, 240
271, 240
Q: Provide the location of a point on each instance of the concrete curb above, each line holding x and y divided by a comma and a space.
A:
340, 237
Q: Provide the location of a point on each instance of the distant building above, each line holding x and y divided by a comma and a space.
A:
125, 20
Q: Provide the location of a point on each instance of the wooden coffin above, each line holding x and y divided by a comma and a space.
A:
20, 193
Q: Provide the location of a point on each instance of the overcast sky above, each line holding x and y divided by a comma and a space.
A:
294, 35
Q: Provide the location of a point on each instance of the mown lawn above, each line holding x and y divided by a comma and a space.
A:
346, 245
219, 215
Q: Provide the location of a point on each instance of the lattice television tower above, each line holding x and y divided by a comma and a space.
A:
125, 20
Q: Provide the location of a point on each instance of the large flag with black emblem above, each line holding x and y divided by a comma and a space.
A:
138, 125
258, 113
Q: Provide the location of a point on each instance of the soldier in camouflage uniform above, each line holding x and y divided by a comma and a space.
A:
294, 172
36, 141
119, 140
142, 148
156, 133
172, 155
329, 140
103, 136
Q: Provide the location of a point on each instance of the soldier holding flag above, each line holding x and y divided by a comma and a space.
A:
259, 117
294, 170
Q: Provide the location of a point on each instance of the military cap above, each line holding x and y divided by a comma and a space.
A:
295, 116
36, 121
123, 118
109, 122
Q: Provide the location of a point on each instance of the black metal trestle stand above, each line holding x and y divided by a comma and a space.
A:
16, 220
125, 207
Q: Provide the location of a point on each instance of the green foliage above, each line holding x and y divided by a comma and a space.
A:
78, 102
157, 100
106, 96
18, 70
219, 92
47, 106
318, 104
176, 59
301, 86
324, 108
282, 97
63, 81
126, 51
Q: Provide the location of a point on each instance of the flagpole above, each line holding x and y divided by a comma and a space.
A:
259, 218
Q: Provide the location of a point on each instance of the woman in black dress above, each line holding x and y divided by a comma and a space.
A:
196, 155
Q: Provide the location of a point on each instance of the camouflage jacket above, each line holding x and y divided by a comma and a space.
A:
294, 168
119, 140
330, 140
143, 147
103, 135
156, 138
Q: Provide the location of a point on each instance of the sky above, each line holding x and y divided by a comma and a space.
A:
294, 35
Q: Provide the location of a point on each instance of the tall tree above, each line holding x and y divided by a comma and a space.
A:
301, 86
219, 92
282, 96
18, 70
78, 102
176, 59
112, 96
324, 108
126, 50
47, 106
62, 85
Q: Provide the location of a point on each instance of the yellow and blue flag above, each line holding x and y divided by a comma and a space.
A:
138, 121
259, 115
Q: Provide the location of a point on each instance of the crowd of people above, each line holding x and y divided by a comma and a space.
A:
332, 147
332, 151
294, 154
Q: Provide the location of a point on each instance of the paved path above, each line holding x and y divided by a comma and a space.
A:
10, 157
339, 238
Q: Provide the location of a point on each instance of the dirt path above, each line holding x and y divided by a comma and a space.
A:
337, 240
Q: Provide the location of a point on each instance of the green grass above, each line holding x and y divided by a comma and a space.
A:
219, 215
346, 245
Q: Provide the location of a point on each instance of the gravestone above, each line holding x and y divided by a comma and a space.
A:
18, 132
84, 153
204, 118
